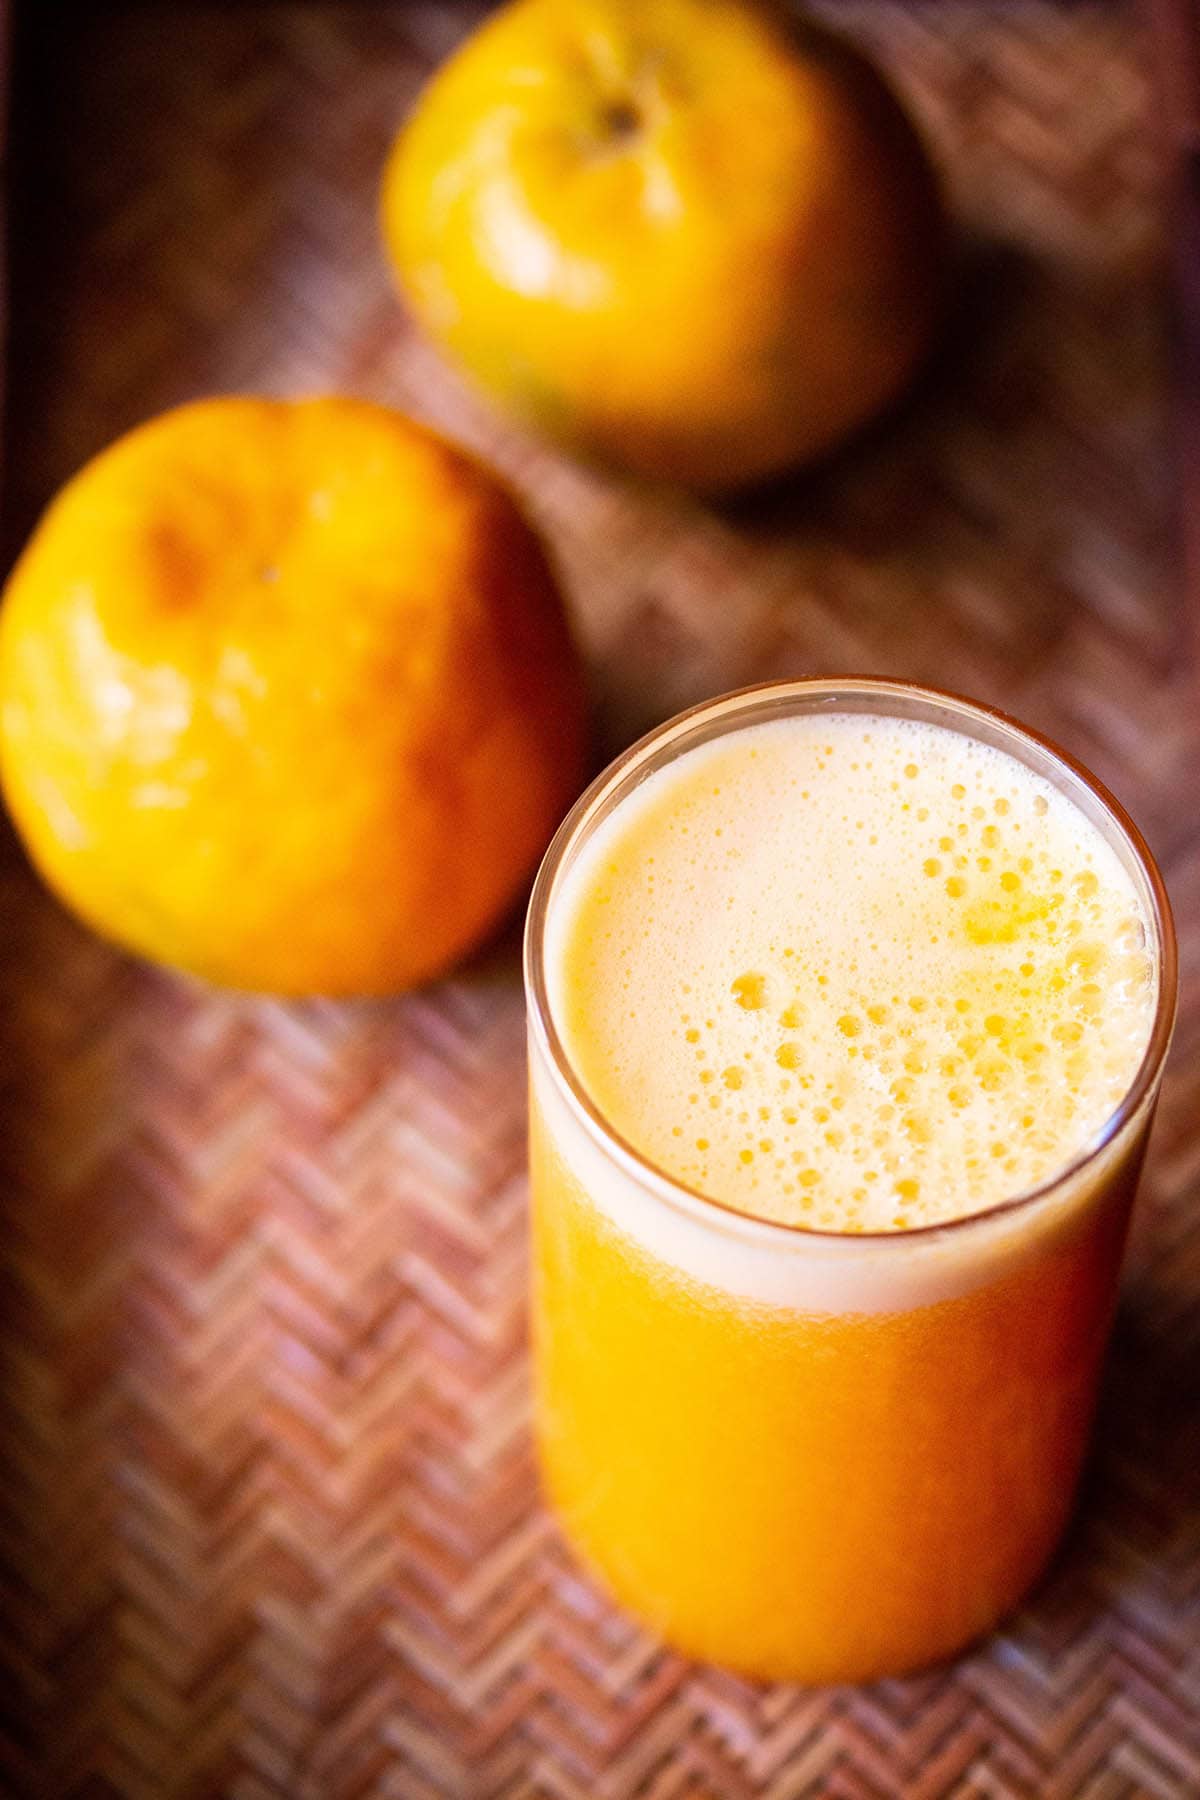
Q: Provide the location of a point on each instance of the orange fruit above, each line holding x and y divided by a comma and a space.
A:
697, 237
287, 697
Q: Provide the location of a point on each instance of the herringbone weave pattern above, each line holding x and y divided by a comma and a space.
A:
269, 1513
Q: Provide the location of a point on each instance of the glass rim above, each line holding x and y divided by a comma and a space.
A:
705, 1207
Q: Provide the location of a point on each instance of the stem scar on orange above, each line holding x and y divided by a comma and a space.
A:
287, 696
697, 237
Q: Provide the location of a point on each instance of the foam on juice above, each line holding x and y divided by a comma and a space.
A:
852, 972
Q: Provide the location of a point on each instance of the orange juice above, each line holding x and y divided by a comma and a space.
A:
848, 1006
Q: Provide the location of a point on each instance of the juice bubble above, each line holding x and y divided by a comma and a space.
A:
929, 955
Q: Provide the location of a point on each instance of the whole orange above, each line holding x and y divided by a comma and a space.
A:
698, 237
288, 698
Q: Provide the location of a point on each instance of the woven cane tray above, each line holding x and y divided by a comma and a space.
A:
269, 1511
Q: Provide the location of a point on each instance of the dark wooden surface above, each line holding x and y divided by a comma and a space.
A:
1175, 40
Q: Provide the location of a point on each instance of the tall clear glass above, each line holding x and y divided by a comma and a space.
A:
813, 1456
